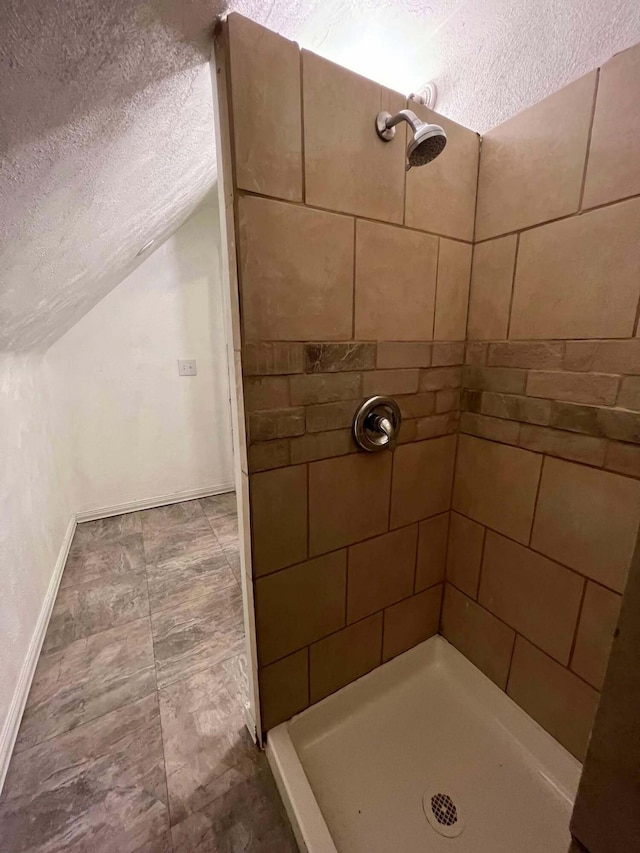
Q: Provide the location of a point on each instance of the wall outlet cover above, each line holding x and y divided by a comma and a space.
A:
187, 367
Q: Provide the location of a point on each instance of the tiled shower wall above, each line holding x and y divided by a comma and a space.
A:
354, 280
546, 501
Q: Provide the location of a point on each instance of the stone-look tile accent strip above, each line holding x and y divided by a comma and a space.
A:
300, 399
576, 400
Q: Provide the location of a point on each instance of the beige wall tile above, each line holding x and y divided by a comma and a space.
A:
417, 405
390, 382
299, 605
629, 395
598, 621
475, 632
436, 378
491, 283
322, 445
496, 485
624, 458
269, 454
422, 475
561, 702
296, 272
449, 353
603, 356
494, 429
464, 555
333, 358
531, 166
476, 353
411, 621
325, 416
266, 392
278, 518
567, 271
345, 656
516, 407
452, 293
284, 689
532, 594
509, 380
526, 354
567, 445
613, 171
598, 388
587, 519
267, 122
348, 500
279, 423
272, 358
341, 148
432, 551
313, 388
441, 196
437, 425
448, 400
395, 283
380, 572
400, 354
617, 424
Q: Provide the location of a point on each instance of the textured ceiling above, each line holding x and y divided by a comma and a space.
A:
106, 138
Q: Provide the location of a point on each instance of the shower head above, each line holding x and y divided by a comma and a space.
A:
428, 140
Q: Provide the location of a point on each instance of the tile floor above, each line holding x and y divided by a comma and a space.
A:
133, 737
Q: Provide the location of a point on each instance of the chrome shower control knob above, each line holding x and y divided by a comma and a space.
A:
376, 424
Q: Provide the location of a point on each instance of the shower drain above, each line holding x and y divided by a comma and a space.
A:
442, 813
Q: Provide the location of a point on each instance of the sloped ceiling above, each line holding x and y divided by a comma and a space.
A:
106, 125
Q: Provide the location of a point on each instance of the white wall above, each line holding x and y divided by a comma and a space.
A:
103, 419
35, 510
137, 430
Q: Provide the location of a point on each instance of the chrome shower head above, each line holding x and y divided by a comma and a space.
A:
428, 140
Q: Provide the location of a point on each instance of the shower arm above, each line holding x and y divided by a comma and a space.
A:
404, 115
386, 123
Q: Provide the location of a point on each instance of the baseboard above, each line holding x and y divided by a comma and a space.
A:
12, 723
150, 503
14, 718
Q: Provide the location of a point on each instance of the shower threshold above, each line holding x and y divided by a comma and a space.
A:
423, 754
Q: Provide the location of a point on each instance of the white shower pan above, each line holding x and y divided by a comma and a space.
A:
424, 754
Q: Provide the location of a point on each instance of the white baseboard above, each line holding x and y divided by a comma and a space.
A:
14, 717
12, 723
150, 503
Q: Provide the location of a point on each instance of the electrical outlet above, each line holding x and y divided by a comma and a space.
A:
187, 367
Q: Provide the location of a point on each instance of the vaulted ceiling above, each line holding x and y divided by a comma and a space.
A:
106, 118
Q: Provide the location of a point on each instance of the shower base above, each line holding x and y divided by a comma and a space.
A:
360, 771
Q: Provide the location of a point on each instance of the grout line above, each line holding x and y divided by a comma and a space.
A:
547, 453
262, 666
637, 320
539, 553
351, 214
574, 639
302, 143
481, 566
589, 135
150, 667
308, 496
449, 524
511, 656
435, 299
513, 284
526, 228
353, 283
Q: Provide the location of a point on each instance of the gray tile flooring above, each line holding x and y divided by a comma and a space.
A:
133, 738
